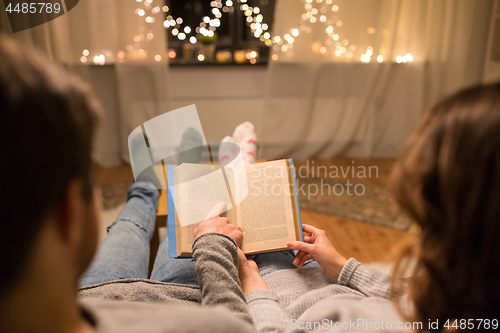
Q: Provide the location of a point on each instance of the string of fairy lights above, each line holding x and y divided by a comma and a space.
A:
208, 26
320, 14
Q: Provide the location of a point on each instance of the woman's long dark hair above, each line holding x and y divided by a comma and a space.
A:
448, 180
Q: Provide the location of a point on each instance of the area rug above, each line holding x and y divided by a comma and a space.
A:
353, 201
114, 194
374, 206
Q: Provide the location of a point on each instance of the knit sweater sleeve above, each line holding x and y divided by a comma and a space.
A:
268, 315
366, 280
216, 259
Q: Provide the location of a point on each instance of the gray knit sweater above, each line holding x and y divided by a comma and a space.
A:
298, 299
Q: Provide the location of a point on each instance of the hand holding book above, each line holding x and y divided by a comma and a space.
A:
249, 275
220, 225
317, 246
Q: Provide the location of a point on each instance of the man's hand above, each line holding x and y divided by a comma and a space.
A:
317, 246
250, 277
220, 225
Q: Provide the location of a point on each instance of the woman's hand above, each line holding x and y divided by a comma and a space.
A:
317, 246
250, 277
220, 225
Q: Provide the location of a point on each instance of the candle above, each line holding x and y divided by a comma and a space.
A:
187, 52
223, 56
240, 56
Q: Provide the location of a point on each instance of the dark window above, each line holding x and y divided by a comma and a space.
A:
219, 31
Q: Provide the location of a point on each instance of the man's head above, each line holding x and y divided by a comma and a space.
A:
47, 121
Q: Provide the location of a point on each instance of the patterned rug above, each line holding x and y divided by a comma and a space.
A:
114, 194
367, 204
374, 206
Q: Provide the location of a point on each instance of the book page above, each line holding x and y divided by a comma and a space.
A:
266, 213
198, 189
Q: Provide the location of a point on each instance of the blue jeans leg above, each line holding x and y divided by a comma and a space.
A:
273, 262
173, 270
124, 253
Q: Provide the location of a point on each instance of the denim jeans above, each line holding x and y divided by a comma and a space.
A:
124, 253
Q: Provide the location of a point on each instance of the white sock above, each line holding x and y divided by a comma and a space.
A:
244, 136
226, 153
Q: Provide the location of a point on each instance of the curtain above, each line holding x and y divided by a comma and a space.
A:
352, 77
119, 47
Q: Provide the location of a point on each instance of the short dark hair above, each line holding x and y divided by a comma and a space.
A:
47, 121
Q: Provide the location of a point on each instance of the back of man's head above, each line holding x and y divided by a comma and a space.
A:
47, 120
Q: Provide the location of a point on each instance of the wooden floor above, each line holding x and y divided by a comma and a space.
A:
365, 242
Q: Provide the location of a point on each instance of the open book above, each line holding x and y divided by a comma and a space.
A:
262, 200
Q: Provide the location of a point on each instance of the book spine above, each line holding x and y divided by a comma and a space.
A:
296, 197
172, 241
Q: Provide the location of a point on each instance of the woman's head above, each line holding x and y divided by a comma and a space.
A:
448, 181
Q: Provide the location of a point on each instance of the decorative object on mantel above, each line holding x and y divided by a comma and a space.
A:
187, 52
224, 56
172, 54
240, 56
207, 47
252, 56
